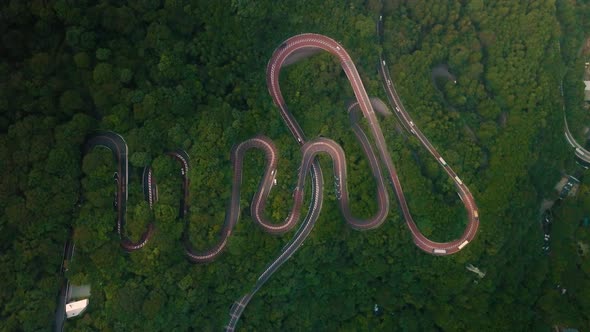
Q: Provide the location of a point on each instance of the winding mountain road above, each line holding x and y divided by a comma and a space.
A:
466, 197
306, 43
579, 151
322, 145
118, 147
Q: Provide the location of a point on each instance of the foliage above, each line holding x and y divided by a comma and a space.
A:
191, 74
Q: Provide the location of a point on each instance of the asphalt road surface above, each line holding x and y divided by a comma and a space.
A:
60, 313
182, 157
118, 147
580, 152
466, 197
322, 145
301, 45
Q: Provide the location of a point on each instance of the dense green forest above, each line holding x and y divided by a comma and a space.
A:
191, 74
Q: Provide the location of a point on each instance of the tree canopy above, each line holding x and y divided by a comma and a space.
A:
191, 74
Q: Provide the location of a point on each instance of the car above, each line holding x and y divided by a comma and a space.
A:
116, 177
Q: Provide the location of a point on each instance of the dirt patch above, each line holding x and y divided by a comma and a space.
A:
379, 106
546, 205
299, 55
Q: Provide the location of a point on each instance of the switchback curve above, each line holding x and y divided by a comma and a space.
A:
118, 147
277, 61
310, 165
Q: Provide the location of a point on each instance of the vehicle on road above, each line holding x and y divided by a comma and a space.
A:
462, 245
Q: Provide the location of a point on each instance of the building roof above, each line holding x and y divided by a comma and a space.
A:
573, 179
75, 308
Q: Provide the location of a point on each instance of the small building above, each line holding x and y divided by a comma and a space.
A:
73, 309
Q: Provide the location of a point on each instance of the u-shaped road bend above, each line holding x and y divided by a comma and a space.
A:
579, 150
233, 211
309, 164
319, 41
182, 157
118, 147
322, 145
463, 191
